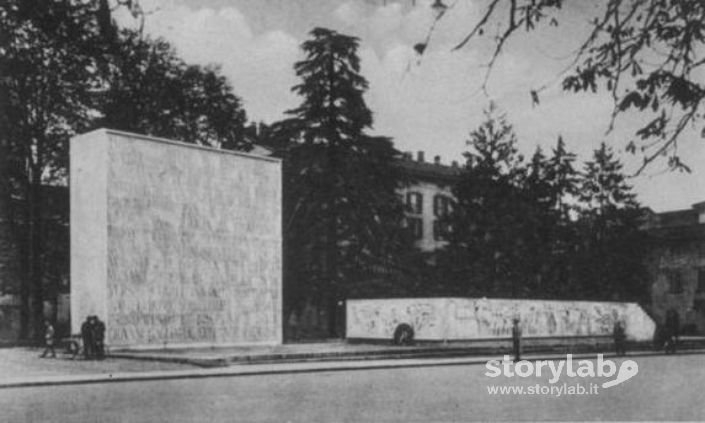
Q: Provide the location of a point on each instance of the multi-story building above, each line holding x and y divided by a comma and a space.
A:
677, 265
428, 197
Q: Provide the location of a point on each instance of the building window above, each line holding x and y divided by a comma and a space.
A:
414, 202
441, 230
675, 282
442, 205
415, 226
701, 279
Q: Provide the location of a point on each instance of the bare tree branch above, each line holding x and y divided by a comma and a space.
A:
478, 26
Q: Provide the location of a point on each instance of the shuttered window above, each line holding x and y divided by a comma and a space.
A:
414, 202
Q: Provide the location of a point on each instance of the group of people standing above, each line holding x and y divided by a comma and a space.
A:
93, 336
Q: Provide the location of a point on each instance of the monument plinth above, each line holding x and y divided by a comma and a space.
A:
174, 244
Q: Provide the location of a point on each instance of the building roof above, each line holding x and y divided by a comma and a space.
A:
429, 171
677, 224
416, 169
676, 218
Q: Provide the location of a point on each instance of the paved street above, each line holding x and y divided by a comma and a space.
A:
666, 387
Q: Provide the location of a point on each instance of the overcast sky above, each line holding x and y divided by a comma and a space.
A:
431, 104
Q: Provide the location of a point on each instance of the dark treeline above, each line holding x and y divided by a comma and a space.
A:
67, 68
545, 227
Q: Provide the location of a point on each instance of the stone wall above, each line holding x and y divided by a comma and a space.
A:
442, 319
174, 244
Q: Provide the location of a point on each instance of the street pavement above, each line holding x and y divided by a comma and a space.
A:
665, 388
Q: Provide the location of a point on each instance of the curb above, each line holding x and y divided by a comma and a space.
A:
388, 354
283, 368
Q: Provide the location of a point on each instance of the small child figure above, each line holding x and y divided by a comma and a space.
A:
48, 340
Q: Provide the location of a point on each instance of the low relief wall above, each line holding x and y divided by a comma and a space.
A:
193, 244
464, 318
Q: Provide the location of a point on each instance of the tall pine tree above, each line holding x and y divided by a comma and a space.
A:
612, 251
342, 213
540, 219
485, 246
562, 178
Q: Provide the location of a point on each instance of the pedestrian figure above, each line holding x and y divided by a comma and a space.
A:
620, 338
516, 339
99, 337
48, 339
87, 337
672, 327
294, 326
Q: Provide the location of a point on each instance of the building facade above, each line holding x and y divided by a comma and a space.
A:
677, 266
428, 197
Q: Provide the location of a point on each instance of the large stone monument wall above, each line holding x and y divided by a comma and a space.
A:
173, 244
442, 319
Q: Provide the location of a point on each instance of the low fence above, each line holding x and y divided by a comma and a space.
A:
451, 319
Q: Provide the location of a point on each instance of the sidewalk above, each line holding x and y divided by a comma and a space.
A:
236, 370
25, 362
22, 367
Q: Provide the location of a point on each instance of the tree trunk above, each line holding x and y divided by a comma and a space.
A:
332, 230
10, 275
35, 250
10, 280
